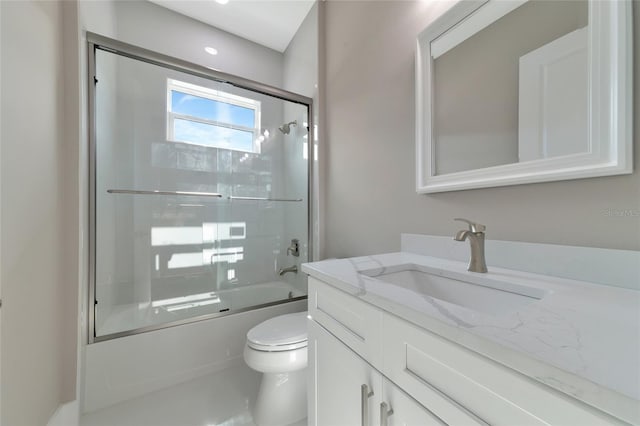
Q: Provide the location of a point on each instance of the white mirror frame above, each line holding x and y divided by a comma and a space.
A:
610, 100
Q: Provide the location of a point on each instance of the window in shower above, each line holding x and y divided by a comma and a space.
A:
210, 117
196, 196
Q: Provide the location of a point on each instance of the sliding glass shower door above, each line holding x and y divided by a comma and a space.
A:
199, 196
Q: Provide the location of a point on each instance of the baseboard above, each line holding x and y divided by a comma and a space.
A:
66, 415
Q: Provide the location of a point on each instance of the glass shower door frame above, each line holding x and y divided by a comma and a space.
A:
97, 42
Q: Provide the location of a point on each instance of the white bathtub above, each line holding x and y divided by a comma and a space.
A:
127, 367
116, 319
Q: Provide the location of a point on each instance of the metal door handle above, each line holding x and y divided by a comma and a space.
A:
385, 412
158, 192
365, 394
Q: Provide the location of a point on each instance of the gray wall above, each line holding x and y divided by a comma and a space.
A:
300, 58
176, 35
300, 71
370, 174
38, 242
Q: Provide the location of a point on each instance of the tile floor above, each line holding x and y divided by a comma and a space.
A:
221, 399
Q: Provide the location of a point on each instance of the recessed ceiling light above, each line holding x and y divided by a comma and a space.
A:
211, 50
222, 1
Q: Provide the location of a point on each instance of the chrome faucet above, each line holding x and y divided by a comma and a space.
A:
293, 269
475, 233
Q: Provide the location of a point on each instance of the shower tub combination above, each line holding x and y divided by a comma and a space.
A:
142, 317
199, 217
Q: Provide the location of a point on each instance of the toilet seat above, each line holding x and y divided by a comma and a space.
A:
277, 348
282, 333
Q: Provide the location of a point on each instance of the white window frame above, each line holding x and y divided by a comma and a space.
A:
215, 95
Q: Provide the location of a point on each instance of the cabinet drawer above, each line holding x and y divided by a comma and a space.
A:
356, 323
432, 369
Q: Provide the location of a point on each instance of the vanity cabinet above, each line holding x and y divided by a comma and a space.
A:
344, 341
349, 391
365, 362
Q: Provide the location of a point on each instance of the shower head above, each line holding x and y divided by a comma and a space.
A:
286, 128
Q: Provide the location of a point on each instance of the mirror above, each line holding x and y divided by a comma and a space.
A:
523, 91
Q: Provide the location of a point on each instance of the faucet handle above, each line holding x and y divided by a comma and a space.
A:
473, 227
294, 248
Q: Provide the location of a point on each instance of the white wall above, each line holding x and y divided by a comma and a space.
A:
74, 212
39, 284
99, 17
176, 35
370, 181
152, 27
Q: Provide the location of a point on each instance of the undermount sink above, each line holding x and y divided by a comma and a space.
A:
478, 292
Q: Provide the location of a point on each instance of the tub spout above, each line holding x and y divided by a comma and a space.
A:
293, 269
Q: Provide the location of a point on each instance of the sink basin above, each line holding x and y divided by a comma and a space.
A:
477, 292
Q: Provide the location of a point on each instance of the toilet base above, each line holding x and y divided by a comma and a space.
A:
282, 399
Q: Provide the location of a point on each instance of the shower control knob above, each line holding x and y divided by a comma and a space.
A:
294, 248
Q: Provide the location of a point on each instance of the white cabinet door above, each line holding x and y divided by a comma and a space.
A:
337, 376
336, 396
406, 410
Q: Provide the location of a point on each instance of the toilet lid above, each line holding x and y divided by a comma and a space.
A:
284, 332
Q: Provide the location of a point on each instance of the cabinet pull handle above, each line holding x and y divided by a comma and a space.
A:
365, 394
385, 412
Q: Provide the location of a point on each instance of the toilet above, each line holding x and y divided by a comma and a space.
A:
278, 349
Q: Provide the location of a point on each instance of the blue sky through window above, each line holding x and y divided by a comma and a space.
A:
209, 109
183, 103
216, 115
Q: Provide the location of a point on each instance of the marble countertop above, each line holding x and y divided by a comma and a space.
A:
582, 339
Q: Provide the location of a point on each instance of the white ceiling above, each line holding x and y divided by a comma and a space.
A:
271, 23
